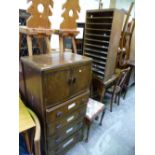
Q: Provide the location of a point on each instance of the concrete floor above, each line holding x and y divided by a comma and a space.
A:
116, 136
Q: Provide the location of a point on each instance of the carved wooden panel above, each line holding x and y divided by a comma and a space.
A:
40, 11
71, 9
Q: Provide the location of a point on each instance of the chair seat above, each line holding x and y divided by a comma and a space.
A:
117, 90
93, 109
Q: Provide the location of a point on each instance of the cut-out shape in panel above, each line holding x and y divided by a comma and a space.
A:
70, 14
40, 11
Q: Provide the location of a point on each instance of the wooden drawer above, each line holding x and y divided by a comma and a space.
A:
64, 133
67, 144
55, 127
61, 110
59, 86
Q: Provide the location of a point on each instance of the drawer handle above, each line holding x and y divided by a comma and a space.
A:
57, 140
70, 118
59, 113
71, 106
69, 130
67, 143
58, 126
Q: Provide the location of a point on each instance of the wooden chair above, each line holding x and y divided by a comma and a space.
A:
37, 136
39, 33
66, 33
116, 90
125, 41
124, 51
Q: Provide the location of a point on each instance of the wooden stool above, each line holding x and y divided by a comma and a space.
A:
67, 33
39, 32
94, 108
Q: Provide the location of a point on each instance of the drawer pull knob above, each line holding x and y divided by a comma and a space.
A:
69, 130
71, 106
67, 143
70, 118
58, 126
59, 114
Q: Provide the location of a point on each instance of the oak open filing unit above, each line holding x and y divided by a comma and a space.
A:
101, 40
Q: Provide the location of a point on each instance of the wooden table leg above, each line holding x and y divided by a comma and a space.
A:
119, 95
48, 44
102, 94
112, 100
102, 116
29, 44
61, 44
74, 45
27, 141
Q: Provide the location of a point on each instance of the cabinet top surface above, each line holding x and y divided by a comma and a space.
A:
46, 61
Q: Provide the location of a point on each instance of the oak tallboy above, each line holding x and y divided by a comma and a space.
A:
57, 89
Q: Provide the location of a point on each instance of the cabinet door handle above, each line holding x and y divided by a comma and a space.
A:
70, 81
73, 80
59, 113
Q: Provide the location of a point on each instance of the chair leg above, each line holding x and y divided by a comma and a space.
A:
102, 94
27, 141
111, 103
115, 99
119, 95
88, 129
102, 117
125, 92
74, 45
29, 45
48, 44
61, 44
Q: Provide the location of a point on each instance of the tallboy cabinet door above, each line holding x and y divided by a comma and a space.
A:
56, 87
81, 78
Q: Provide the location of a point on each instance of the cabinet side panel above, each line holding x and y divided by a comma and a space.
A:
34, 97
117, 25
33, 89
